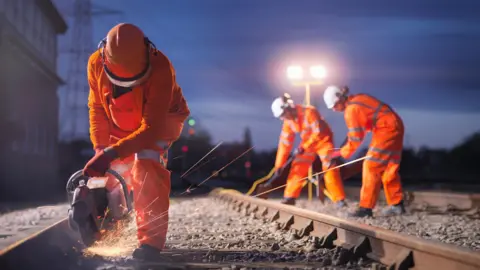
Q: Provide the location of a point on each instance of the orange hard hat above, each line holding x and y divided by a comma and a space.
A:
126, 55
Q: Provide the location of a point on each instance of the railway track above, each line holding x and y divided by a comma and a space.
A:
357, 240
433, 201
205, 234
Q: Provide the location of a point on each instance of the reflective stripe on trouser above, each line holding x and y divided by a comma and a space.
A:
151, 183
124, 166
382, 165
333, 180
298, 171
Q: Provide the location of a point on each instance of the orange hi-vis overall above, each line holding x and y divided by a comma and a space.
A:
317, 139
364, 113
140, 125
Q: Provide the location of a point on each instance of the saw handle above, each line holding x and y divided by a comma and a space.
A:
75, 179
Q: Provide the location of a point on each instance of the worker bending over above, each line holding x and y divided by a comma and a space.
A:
136, 112
316, 138
364, 113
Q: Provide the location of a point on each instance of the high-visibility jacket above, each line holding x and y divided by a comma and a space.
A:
313, 132
363, 114
153, 111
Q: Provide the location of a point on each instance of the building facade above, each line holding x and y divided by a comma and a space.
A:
29, 103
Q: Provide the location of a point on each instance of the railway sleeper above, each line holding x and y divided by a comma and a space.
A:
299, 227
349, 244
448, 209
351, 252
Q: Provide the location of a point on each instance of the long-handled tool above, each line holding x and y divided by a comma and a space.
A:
275, 178
316, 174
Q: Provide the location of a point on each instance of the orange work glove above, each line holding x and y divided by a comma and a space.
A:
335, 159
99, 164
335, 154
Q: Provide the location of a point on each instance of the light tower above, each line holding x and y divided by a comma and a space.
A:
81, 46
74, 117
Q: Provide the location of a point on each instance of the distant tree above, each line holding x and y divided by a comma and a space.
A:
247, 138
197, 146
202, 136
410, 162
465, 156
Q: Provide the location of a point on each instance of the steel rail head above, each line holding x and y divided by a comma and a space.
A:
397, 250
75, 179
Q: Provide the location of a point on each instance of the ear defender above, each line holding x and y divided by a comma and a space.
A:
287, 100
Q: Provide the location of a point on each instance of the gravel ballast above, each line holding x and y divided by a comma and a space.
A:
451, 228
202, 230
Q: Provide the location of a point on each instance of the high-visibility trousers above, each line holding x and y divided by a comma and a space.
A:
382, 165
150, 182
299, 171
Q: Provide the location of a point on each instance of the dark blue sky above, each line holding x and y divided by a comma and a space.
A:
422, 57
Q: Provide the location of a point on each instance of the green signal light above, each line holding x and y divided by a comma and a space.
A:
191, 122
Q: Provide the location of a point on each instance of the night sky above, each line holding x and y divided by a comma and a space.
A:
421, 57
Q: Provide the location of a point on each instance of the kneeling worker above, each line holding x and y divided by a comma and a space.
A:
317, 139
136, 112
365, 113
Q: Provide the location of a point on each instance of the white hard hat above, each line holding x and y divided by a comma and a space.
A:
331, 96
278, 106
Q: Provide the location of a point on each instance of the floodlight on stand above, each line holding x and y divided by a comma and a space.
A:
318, 72
295, 72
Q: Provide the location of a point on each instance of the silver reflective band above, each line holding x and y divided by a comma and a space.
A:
285, 135
129, 83
384, 151
292, 126
355, 139
150, 154
356, 129
285, 142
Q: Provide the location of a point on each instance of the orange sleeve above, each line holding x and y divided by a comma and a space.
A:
314, 124
356, 121
285, 145
179, 106
99, 124
158, 95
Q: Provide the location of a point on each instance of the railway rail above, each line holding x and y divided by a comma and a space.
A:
433, 201
206, 234
398, 251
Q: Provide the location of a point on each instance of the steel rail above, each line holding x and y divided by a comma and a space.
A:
51, 246
430, 199
398, 251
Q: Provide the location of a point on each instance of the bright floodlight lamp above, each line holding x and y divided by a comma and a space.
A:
295, 72
318, 72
